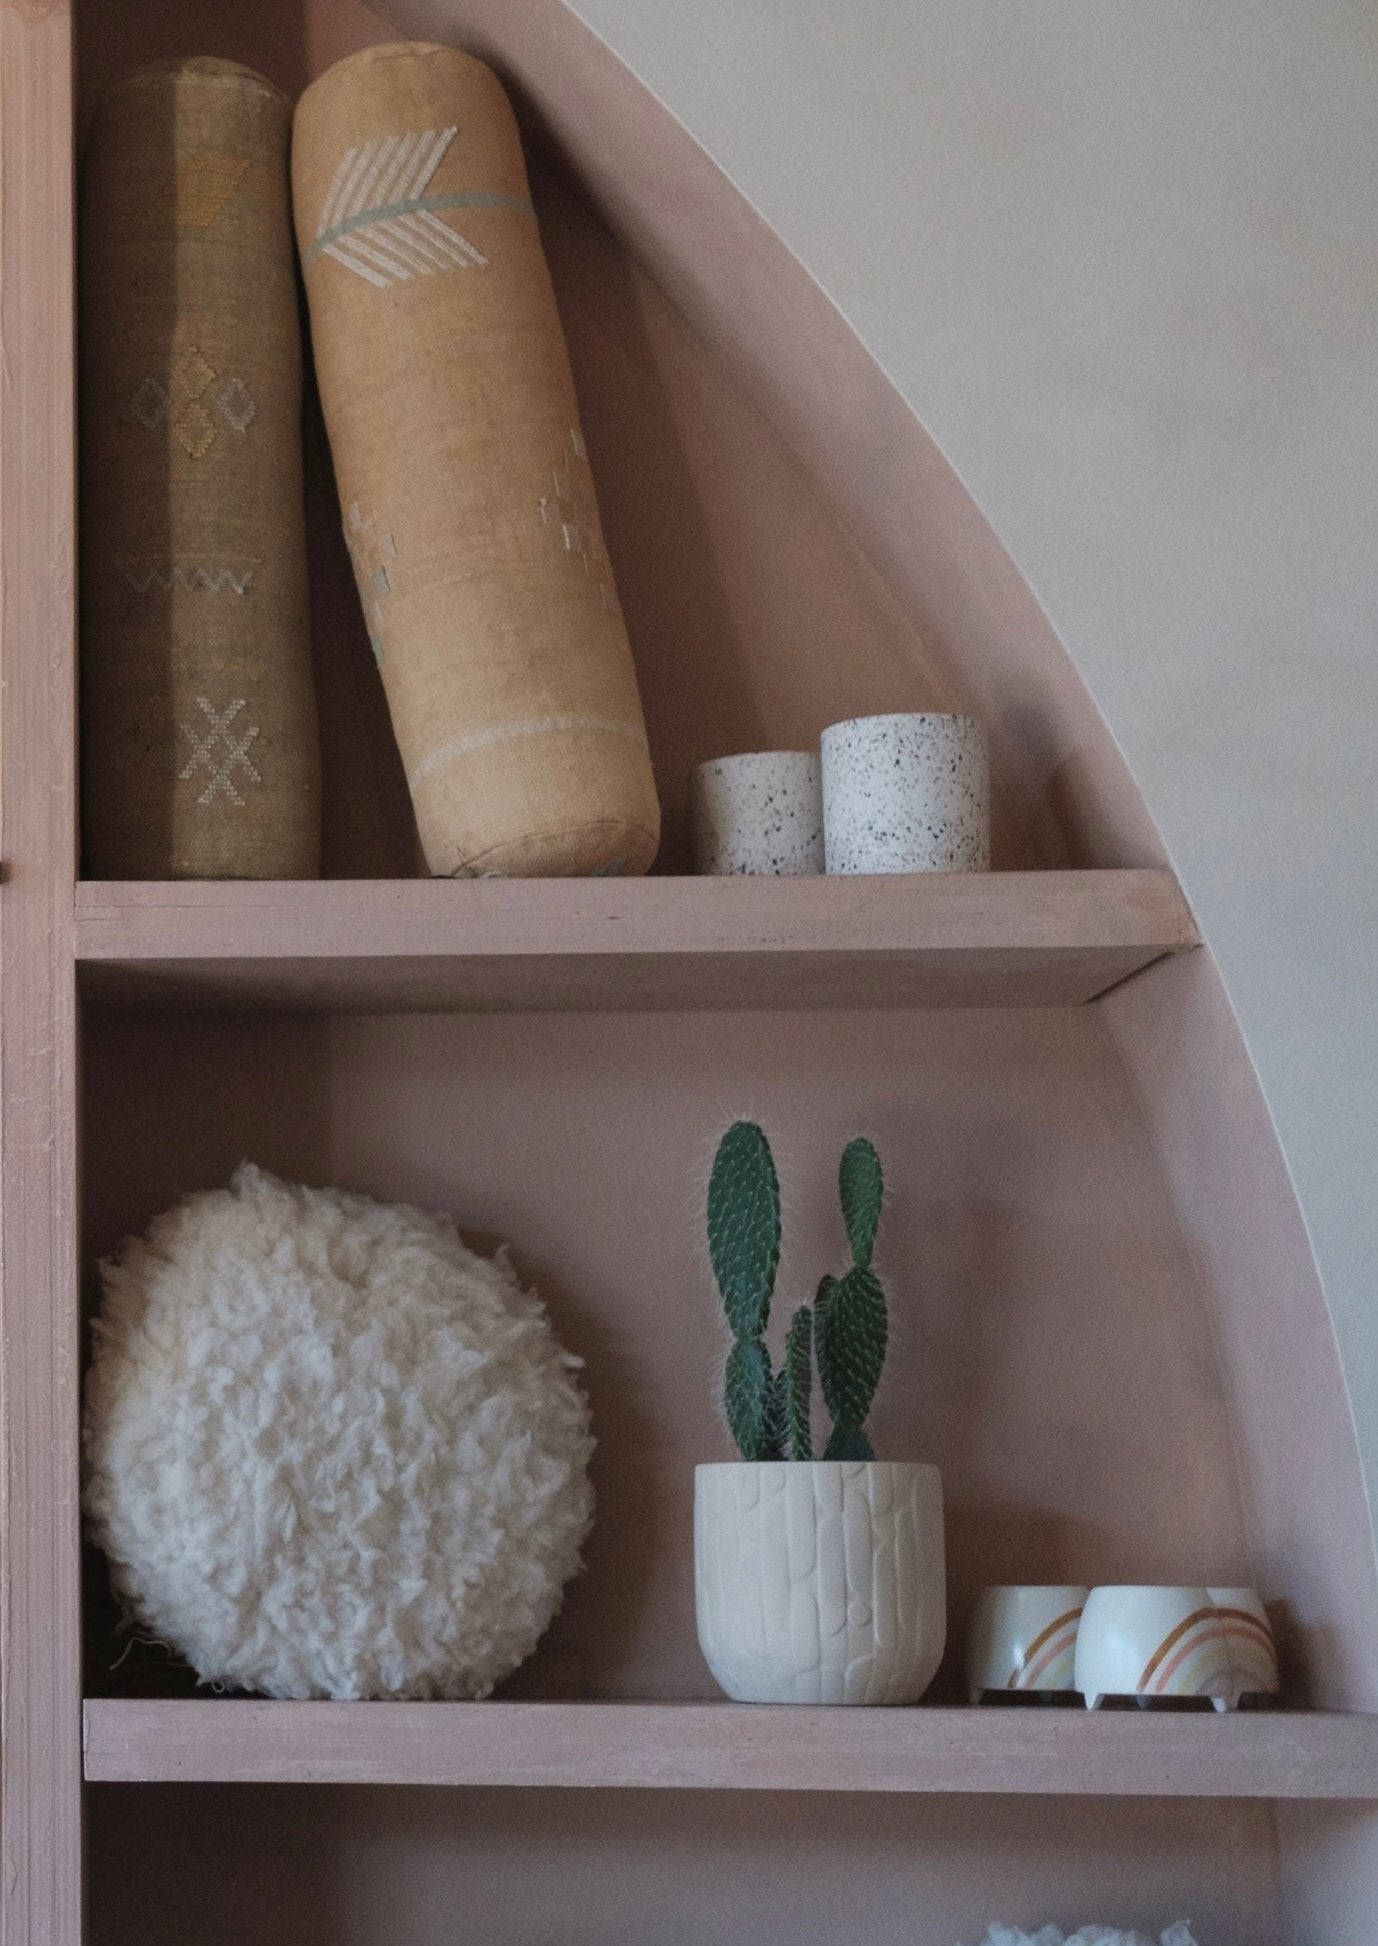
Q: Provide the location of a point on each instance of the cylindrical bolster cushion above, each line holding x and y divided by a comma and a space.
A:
198, 719
464, 483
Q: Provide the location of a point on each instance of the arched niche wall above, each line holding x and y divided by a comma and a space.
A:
978, 639
791, 548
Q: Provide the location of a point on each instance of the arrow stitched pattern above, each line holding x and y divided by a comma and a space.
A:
378, 221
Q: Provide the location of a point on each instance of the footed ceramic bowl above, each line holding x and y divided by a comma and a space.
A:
1249, 1642
1152, 1642
1023, 1639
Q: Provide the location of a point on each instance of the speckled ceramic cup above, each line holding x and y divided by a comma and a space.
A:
761, 813
906, 793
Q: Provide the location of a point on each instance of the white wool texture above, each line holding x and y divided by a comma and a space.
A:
330, 1451
1088, 1936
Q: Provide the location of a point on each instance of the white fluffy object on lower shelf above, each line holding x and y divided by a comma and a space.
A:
1087, 1936
331, 1452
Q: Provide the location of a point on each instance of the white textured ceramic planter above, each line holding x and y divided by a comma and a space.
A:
906, 793
820, 1581
759, 814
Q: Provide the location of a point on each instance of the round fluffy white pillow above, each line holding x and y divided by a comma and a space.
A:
331, 1451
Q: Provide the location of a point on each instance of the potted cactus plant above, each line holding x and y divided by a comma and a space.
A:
819, 1580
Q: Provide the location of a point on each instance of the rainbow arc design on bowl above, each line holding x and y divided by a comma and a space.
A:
1049, 1660
1252, 1652
1192, 1659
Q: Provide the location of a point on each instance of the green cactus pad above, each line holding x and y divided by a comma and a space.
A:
744, 1227
777, 1430
797, 1376
748, 1397
848, 1443
862, 1187
845, 1333
851, 1330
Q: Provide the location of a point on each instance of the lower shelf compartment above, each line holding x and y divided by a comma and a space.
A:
725, 1746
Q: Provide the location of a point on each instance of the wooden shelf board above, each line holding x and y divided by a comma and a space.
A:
428, 945
724, 1746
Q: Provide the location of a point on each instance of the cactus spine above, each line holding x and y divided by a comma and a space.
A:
845, 1332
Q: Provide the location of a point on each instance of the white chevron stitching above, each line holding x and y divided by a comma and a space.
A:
371, 190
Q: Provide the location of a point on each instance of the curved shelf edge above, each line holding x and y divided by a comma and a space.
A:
725, 1746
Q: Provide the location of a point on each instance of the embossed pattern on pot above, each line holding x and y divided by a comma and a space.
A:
906, 793
820, 1582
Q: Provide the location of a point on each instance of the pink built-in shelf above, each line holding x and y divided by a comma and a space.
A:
734, 1747
996, 939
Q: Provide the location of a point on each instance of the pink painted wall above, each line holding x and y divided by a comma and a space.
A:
350, 1867
1118, 260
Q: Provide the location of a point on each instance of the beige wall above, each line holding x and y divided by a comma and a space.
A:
1119, 257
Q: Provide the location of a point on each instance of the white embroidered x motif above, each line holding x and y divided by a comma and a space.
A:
219, 764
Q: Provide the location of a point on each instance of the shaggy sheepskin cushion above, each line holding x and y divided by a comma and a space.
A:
331, 1451
1088, 1936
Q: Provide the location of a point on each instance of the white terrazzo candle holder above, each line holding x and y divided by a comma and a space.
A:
758, 814
908, 793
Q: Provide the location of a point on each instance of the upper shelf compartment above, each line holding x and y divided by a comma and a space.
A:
1010, 939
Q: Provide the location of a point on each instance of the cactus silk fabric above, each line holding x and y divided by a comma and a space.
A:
198, 724
466, 493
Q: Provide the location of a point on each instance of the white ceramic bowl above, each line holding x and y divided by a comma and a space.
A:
1249, 1640
1153, 1642
1023, 1639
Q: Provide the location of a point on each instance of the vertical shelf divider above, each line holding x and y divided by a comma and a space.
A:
40, 1648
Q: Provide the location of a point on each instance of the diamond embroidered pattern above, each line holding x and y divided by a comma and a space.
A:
235, 405
150, 403
193, 426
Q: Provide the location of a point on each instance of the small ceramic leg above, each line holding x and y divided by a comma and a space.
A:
1094, 1702
1143, 1701
976, 1696
1223, 1703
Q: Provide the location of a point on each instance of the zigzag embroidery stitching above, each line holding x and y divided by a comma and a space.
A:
199, 578
378, 222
